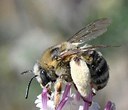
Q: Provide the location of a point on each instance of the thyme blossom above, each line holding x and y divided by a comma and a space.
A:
70, 100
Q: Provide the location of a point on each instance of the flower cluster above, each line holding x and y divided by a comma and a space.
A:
69, 101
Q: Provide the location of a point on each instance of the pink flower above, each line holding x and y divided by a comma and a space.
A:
70, 100
110, 106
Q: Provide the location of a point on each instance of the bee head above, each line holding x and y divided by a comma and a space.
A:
42, 76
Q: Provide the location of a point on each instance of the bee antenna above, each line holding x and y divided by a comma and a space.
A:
28, 71
28, 87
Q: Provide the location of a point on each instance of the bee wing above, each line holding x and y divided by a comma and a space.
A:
80, 75
91, 31
93, 47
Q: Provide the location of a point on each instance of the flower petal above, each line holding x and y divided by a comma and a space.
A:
44, 99
37, 101
39, 96
77, 96
81, 108
51, 105
110, 106
39, 105
62, 103
66, 91
86, 106
94, 106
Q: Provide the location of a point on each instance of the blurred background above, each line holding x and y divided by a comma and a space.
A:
28, 27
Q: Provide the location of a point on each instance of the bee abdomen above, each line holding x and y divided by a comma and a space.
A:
99, 71
102, 85
101, 81
98, 68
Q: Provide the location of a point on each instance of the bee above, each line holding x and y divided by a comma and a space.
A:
74, 61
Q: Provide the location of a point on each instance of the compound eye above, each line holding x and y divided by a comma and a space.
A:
44, 77
55, 53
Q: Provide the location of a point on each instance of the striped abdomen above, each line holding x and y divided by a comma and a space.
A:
99, 70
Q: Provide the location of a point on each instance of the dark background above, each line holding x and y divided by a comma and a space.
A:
28, 27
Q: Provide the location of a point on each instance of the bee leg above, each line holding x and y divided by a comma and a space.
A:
89, 98
58, 89
94, 91
49, 86
84, 99
87, 101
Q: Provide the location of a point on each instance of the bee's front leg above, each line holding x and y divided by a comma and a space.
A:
49, 88
58, 89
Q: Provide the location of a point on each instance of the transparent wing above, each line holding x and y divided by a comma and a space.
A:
91, 31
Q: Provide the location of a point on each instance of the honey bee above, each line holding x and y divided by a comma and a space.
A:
75, 61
